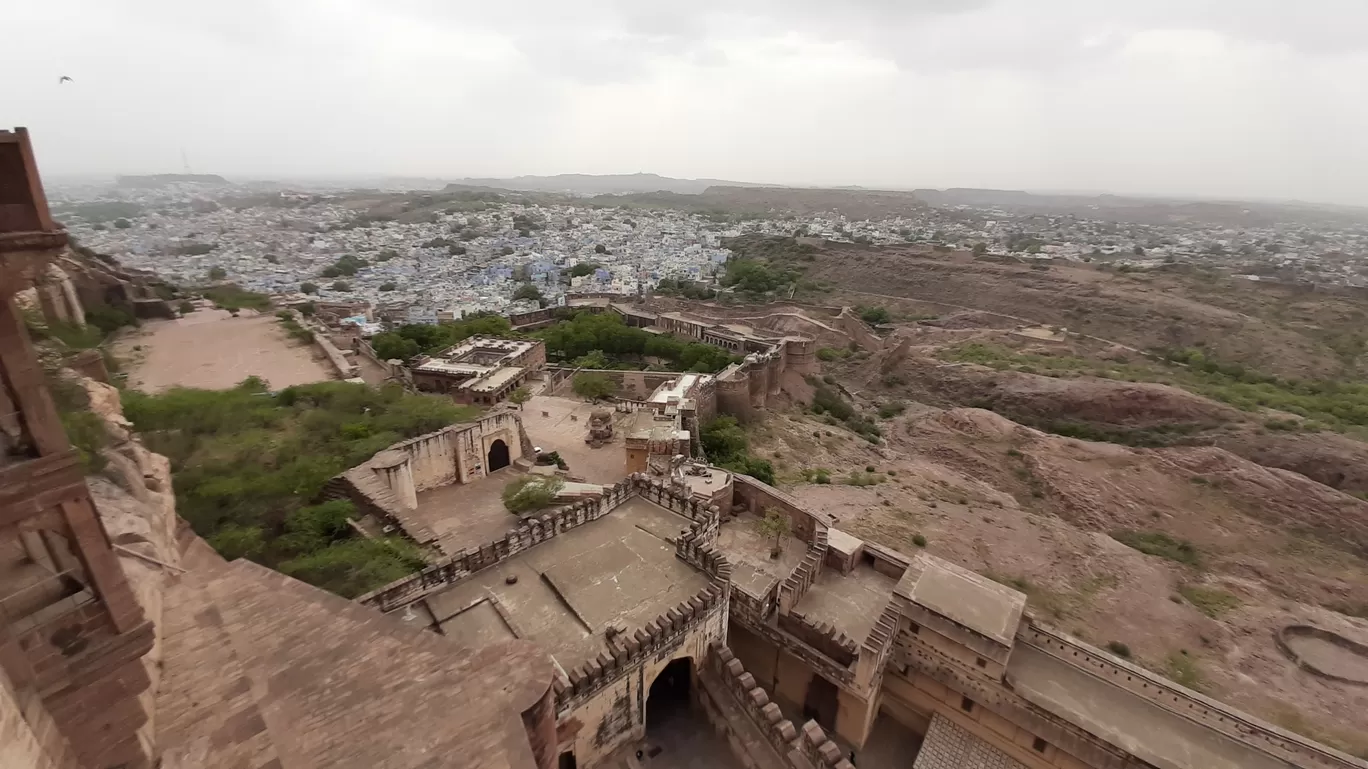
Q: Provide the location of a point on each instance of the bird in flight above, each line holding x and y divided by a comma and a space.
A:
64, 79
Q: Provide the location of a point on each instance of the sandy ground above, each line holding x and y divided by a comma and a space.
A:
210, 349
561, 424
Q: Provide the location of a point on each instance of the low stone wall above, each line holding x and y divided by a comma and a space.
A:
343, 365
757, 496
792, 589
821, 636
794, 746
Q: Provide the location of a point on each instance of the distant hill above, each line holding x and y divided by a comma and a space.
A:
159, 180
604, 184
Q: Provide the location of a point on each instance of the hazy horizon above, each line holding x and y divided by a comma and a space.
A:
1209, 99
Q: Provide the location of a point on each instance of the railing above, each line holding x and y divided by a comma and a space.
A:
27, 608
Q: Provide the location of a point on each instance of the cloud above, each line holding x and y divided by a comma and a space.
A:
1196, 97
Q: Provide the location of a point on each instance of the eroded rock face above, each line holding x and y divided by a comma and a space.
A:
134, 497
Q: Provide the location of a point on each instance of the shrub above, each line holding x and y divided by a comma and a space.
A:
185, 307
1119, 649
1211, 601
1183, 670
527, 493
1160, 544
891, 409
355, 566
919, 540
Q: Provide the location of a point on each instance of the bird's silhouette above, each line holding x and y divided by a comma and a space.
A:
64, 79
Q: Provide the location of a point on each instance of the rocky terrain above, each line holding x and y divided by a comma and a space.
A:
1175, 511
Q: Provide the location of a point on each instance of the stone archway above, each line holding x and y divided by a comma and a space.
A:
670, 693
498, 456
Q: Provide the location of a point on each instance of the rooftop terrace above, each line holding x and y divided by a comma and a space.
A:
619, 571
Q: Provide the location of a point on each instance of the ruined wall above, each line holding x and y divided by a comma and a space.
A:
856, 329
796, 585
343, 366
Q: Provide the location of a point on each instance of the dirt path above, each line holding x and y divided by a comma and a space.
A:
210, 349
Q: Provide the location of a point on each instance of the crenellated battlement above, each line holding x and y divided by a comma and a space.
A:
810, 743
626, 651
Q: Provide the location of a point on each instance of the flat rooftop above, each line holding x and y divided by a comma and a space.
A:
1136, 725
620, 569
676, 388
495, 380
753, 571
973, 601
851, 602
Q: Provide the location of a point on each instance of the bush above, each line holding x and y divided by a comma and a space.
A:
875, 316
528, 493
1160, 544
109, 319
891, 409
919, 540
1183, 670
356, 566
185, 307
1211, 601
1119, 649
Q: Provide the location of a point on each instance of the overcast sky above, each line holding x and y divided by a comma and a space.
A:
1251, 98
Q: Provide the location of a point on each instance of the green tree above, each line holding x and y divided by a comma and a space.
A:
1138, 250
457, 250
519, 396
388, 286
584, 268
591, 359
122, 224
528, 291
340, 285
594, 386
393, 347
506, 251
185, 307
217, 273
528, 493
600, 249
980, 249
776, 526
386, 255
308, 288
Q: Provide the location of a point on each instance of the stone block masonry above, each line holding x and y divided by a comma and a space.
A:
807, 748
821, 636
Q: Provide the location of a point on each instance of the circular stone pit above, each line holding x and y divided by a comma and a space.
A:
1324, 653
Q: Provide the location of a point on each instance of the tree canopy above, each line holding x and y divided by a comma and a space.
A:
594, 385
584, 268
587, 332
407, 341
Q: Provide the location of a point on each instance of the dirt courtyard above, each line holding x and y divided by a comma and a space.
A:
212, 350
561, 424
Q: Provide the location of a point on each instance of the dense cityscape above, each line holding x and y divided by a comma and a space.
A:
450, 255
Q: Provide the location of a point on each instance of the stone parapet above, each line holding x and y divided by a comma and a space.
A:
821, 636
796, 585
794, 746
533, 531
629, 650
1221, 718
